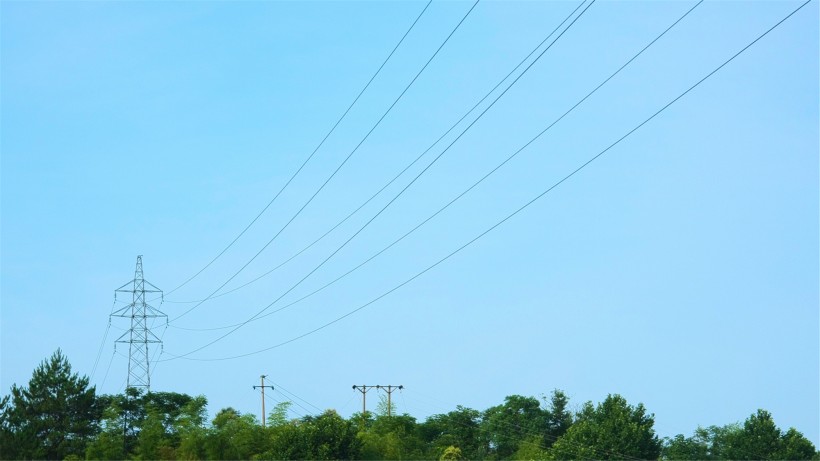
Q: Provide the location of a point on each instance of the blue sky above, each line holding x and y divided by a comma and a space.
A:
679, 270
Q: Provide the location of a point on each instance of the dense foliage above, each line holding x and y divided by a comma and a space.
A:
59, 416
54, 417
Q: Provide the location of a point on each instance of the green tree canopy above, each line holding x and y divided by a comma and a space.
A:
705, 444
53, 417
279, 415
459, 428
323, 437
451, 453
611, 430
58, 416
757, 438
506, 426
559, 418
235, 436
392, 437
795, 446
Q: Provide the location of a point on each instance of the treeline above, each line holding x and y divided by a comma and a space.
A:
59, 416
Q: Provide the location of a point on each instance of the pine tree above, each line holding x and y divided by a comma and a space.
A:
53, 417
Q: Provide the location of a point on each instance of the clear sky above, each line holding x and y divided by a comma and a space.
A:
680, 269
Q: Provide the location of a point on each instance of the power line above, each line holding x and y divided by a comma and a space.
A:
332, 129
105, 336
286, 401
282, 389
475, 184
258, 314
491, 172
159, 352
391, 181
289, 399
337, 168
289, 402
108, 368
344, 407
102, 345
509, 216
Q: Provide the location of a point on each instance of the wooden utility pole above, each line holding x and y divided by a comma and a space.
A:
389, 389
363, 389
262, 388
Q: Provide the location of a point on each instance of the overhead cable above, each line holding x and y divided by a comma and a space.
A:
258, 314
337, 168
509, 216
321, 143
475, 184
399, 174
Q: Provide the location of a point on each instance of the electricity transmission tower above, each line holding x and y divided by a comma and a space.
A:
139, 336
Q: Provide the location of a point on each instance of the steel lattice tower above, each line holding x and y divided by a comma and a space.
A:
139, 336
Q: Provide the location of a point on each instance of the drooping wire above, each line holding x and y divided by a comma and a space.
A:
99, 351
282, 389
487, 175
108, 368
316, 149
347, 404
127, 376
391, 181
475, 184
337, 168
290, 407
514, 213
259, 313
403, 401
290, 399
160, 350
105, 336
